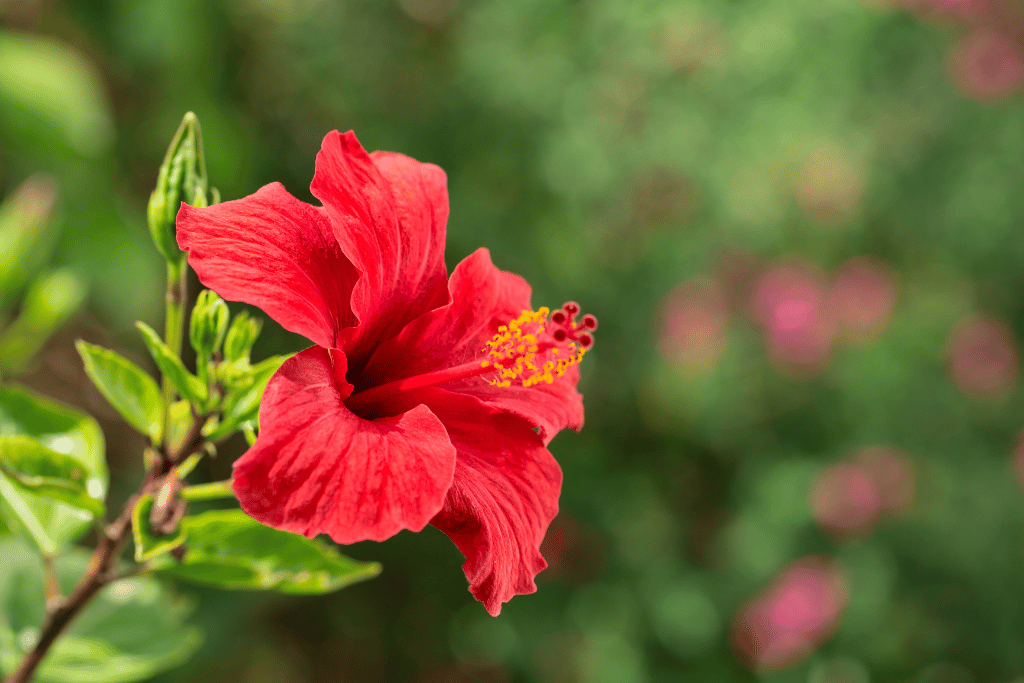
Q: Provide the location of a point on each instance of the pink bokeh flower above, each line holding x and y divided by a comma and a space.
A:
862, 299
798, 612
1018, 459
789, 303
987, 64
846, 500
964, 10
693, 323
893, 474
983, 357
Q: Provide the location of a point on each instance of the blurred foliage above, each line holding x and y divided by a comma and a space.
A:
131, 630
699, 175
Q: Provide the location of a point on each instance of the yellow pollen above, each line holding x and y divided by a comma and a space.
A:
520, 351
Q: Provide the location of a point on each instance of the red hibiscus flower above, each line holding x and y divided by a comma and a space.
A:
426, 399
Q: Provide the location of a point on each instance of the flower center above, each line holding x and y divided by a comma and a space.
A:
536, 347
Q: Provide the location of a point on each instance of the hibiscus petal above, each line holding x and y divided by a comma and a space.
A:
278, 253
389, 214
482, 298
318, 468
504, 495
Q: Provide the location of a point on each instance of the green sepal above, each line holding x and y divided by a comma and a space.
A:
45, 472
187, 384
149, 544
229, 549
132, 392
182, 177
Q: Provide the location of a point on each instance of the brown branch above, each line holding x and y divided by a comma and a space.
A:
100, 572
103, 568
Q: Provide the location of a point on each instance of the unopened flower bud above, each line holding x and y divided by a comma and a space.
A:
241, 336
182, 177
208, 324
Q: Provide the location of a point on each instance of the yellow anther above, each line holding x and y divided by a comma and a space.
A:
514, 350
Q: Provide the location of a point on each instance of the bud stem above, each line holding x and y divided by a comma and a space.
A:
174, 329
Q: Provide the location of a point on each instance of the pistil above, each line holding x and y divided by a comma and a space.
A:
383, 392
530, 350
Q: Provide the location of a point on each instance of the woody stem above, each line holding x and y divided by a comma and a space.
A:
113, 538
103, 567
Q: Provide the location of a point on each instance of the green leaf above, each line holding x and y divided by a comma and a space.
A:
61, 111
149, 544
187, 384
229, 549
133, 630
25, 229
44, 472
179, 423
126, 386
49, 523
243, 404
50, 300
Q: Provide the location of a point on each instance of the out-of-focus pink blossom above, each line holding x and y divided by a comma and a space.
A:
862, 298
789, 303
1018, 459
983, 357
798, 612
987, 64
430, 12
846, 500
893, 475
693, 323
830, 186
966, 10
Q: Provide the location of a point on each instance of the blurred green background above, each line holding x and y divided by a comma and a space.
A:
798, 222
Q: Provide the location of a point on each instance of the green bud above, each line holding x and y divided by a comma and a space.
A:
241, 336
208, 324
182, 177
51, 299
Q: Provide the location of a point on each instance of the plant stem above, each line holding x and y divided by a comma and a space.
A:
174, 330
210, 491
99, 574
51, 584
103, 567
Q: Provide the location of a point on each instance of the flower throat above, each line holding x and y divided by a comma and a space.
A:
537, 347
